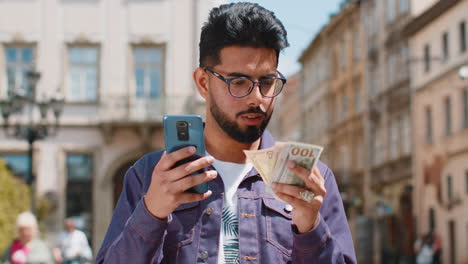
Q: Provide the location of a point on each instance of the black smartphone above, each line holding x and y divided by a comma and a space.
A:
182, 131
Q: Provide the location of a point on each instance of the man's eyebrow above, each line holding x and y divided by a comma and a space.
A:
238, 74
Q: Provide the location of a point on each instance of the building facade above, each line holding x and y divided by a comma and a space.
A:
388, 123
440, 125
121, 65
333, 105
286, 122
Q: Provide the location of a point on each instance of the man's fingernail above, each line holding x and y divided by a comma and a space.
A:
210, 159
192, 149
213, 174
291, 164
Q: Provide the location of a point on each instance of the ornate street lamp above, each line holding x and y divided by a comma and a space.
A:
31, 130
463, 72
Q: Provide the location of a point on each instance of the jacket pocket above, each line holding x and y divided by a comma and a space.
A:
278, 225
183, 225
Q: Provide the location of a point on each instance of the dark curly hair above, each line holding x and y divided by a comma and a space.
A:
241, 24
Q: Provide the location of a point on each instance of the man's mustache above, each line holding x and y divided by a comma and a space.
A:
253, 110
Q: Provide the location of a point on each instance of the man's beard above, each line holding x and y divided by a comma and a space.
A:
232, 129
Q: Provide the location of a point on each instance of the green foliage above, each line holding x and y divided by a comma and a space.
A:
229, 223
15, 197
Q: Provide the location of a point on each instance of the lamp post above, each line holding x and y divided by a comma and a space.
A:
463, 72
31, 130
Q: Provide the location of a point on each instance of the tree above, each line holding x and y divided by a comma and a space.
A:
15, 197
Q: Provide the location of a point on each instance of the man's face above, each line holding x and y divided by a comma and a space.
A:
243, 119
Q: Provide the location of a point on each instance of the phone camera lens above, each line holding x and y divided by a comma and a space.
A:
182, 131
182, 124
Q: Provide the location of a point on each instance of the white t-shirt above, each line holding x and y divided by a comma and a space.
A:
232, 175
74, 243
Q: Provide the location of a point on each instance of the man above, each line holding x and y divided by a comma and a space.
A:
73, 246
236, 221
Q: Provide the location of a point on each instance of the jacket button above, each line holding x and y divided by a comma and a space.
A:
204, 255
209, 211
288, 208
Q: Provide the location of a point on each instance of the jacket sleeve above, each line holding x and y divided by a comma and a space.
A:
134, 235
330, 241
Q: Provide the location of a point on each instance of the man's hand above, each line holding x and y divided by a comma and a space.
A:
167, 189
305, 214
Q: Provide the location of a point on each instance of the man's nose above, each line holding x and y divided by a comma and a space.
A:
255, 97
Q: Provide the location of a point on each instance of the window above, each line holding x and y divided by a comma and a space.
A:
428, 124
327, 115
445, 45
427, 58
462, 30
466, 181
406, 134
391, 65
390, 10
83, 74
336, 110
357, 100
343, 54
449, 188
18, 164
374, 146
149, 65
403, 69
432, 219
379, 145
374, 78
19, 61
79, 190
465, 108
344, 107
394, 139
466, 237
357, 45
448, 116
404, 7
325, 68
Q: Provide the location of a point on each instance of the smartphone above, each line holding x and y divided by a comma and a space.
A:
182, 131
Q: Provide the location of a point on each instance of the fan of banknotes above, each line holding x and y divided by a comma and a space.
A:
271, 162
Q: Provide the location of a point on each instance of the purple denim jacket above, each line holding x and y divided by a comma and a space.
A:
191, 234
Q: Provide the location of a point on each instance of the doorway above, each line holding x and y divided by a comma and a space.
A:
119, 178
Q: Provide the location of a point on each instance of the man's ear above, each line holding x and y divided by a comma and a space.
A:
200, 77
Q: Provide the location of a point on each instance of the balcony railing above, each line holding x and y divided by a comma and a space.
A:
121, 108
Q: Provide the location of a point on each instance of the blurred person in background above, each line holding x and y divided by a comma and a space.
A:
27, 248
436, 247
424, 249
72, 246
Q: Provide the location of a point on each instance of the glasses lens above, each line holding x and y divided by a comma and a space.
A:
271, 87
239, 86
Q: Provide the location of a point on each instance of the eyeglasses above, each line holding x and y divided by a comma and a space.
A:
242, 86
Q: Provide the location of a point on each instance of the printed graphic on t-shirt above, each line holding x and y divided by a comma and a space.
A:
230, 231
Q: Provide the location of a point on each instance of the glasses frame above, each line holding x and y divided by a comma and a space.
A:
228, 82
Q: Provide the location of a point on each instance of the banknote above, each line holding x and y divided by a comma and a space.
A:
271, 163
305, 155
264, 160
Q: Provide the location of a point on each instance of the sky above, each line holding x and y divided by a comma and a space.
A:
302, 19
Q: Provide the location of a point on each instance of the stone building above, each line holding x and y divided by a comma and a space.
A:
121, 65
438, 38
388, 124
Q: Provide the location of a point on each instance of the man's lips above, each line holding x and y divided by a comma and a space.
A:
253, 119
